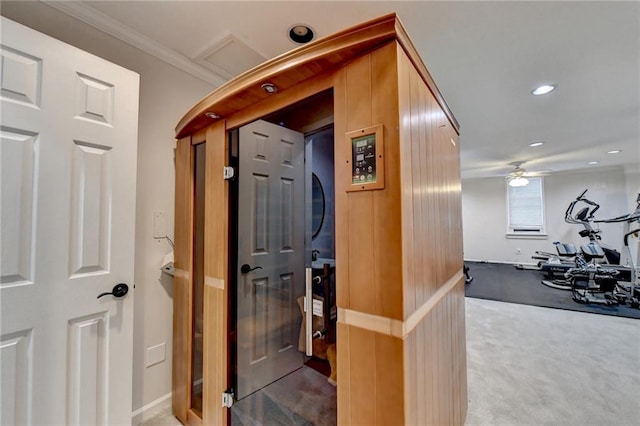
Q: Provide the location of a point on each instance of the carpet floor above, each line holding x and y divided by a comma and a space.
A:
505, 283
528, 365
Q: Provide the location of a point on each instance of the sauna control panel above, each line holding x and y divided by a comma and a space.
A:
363, 164
367, 158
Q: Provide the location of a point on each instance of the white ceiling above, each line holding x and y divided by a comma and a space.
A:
486, 57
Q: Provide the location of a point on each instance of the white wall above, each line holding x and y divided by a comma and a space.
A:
165, 95
632, 176
484, 214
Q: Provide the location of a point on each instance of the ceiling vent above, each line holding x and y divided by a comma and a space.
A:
229, 57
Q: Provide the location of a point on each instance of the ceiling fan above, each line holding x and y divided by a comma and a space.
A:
511, 170
516, 177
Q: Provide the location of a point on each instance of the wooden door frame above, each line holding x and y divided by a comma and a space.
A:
183, 278
218, 269
233, 125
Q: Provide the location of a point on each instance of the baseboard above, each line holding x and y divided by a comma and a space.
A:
146, 412
500, 261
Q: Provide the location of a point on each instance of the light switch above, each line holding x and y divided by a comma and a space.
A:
159, 225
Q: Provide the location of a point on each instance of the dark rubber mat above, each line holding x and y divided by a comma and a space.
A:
505, 283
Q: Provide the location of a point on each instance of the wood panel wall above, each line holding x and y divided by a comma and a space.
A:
401, 340
368, 247
434, 351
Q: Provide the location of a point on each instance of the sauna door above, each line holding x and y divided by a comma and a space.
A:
270, 254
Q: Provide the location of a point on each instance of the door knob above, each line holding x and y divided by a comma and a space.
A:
119, 290
247, 268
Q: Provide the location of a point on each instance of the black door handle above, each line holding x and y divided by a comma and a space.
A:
245, 269
119, 290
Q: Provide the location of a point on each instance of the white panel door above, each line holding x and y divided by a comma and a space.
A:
68, 170
271, 239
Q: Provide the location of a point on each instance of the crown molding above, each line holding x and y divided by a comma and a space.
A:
93, 17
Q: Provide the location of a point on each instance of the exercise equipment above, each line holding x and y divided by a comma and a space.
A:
467, 278
628, 291
555, 266
586, 217
589, 281
552, 264
594, 274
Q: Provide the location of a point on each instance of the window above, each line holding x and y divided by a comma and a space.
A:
525, 205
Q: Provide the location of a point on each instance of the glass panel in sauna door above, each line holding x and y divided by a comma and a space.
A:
198, 280
271, 252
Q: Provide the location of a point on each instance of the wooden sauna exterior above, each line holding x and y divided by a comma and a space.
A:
401, 322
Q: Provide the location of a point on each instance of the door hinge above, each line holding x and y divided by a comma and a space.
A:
227, 398
229, 173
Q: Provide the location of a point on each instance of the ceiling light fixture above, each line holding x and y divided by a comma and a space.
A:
519, 181
536, 143
212, 115
615, 151
516, 177
544, 89
301, 33
269, 88
591, 163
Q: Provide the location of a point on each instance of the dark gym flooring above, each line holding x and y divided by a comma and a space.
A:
505, 283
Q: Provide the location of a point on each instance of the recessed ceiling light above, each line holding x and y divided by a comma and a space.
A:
591, 163
269, 88
301, 33
212, 115
544, 89
536, 143
615, 151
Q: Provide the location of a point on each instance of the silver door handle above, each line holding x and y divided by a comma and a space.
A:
309, 313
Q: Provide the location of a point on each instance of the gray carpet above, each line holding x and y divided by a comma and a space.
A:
529, 365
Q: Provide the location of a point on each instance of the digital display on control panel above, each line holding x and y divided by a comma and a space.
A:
363, 166
367, 158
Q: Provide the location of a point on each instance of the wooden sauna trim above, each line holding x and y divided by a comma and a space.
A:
182, 303
303, 63
193, 419
216, 291
292, 95
214, 282
393, 327
183, 279
421, 68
